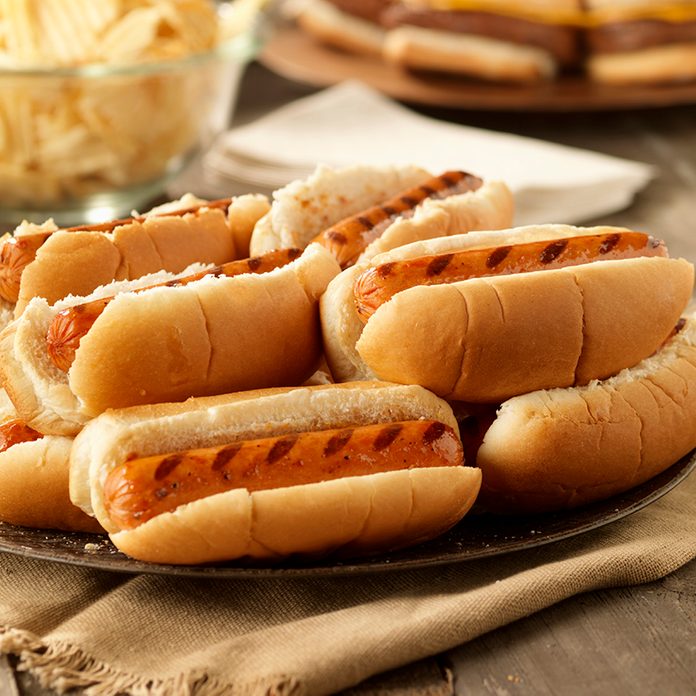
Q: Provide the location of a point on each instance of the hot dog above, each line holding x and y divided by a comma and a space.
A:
358, 212
34, 477
70, 325
348, 239
490, 337
212, 335
219, 478
562, 448
50, 263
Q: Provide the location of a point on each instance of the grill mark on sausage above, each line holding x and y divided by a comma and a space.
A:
410, 201
553, 251
254, 262
434, 432
337, 237
438, 264
385, 269
497, 257
386, 436
281, 448
337, 442
225, 456
294, 254
390, 210
609, 243
166, 466
427, 190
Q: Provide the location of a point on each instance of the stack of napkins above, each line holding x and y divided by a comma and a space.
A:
352, 124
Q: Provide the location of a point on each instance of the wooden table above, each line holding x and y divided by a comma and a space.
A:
638, 640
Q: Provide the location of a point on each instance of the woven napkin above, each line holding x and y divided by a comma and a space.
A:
159, 635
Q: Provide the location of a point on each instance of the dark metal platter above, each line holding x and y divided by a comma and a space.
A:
476, 537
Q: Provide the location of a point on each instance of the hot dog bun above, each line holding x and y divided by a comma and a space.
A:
331, 25
563, 448
486, 39
34, 482
304, 208
641, 41
356, 514
486, 339
211, 336
77, 261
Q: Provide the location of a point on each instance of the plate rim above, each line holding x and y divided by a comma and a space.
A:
596, 516
295, 55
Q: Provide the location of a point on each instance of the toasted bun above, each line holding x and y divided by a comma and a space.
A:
76, 262
355, 514
671, 63
303, 208
337, 28
566, 447
168, 343
478, 56
486, 339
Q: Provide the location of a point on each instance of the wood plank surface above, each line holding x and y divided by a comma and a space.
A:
638, 640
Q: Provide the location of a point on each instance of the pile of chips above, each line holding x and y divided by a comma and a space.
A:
66, 137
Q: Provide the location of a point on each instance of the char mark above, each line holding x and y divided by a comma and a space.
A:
254, 262
385, 269
281, 448
167, 465
553, 251
386, 436
337, 237
337, 442
433, 432
225, 456
438, 264
497, 256
609, 242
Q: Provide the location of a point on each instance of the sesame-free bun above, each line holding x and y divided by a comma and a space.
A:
306, 207
562, 448
487, 339
476, 56
334, 27
34, 482
354, 515
76, 262
658, 64
211, 336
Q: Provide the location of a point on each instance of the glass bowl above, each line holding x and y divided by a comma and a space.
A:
89, 144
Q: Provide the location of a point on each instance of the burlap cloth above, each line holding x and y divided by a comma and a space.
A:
152, 634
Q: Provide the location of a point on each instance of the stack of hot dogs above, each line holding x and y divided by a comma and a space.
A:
177, 407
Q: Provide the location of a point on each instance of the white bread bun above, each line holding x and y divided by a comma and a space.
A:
669, 63
34, 482
167, 343
491, 207
303, 208
486, 339
76, 262
478, 56
562, 448
332, 26
355, 514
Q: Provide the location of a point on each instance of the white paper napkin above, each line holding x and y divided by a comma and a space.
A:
351, 124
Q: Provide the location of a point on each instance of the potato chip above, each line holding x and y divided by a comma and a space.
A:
62, 137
